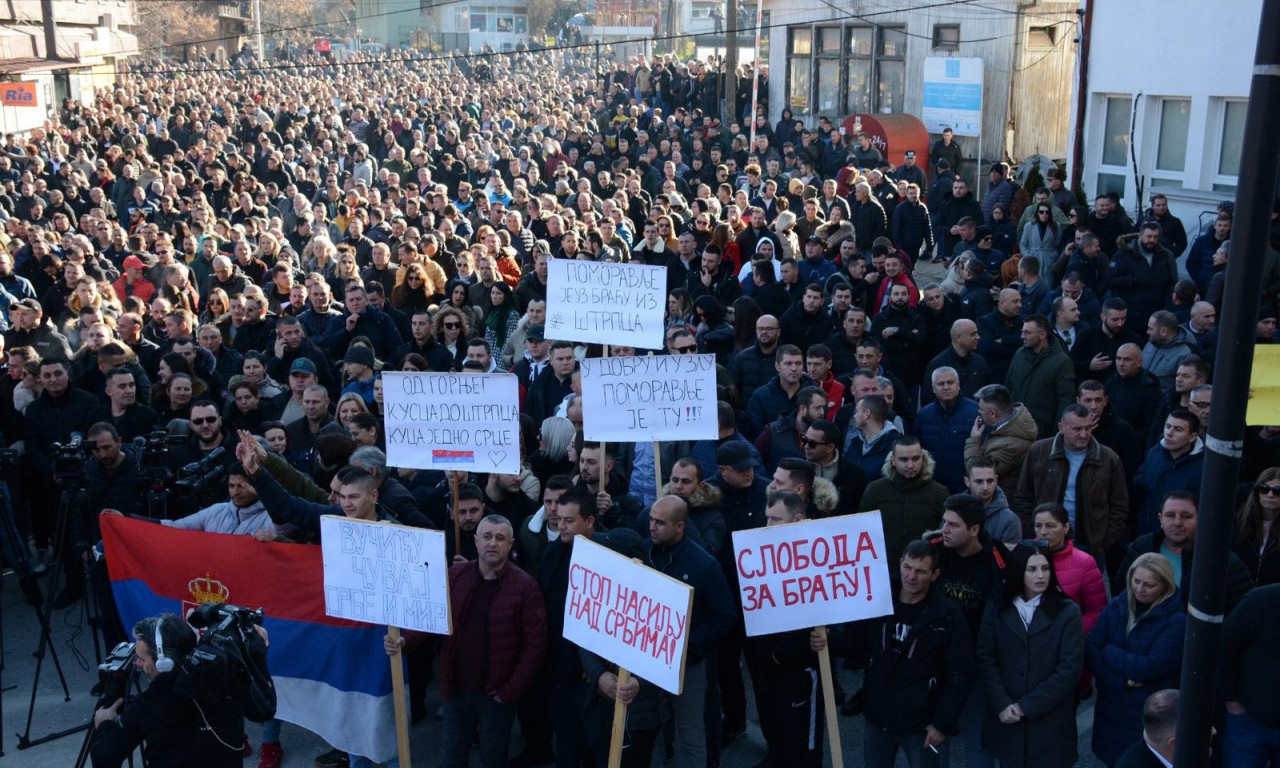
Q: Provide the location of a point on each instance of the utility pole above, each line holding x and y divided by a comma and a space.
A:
730, 73
257, 28
50, 30
1206, 602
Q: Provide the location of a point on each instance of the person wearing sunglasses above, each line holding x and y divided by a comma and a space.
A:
1257, 541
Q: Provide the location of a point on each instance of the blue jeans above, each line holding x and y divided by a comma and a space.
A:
687, 711
880, 749
972, 719
1248, 743
271, 731
364, 762
462, 713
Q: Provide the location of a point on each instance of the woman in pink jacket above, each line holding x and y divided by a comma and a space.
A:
1077, 571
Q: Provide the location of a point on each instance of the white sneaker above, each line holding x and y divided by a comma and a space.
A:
41, 566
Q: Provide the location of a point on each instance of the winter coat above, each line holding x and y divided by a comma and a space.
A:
1145, 287
869, 222
1006, 445
1035, 666
708, 528
904, 350
1150, 654
769, 402
1000, 338
1263, 562
911, 229
928, 683
1080, 578
1000, 523
1200, 259
1238, 580
972, 369
943, 432
1102, 500
1162, 359
1250, 637
1136, 399
751, 368
870, 456
1041, 243
712, 614
1045, 382
517, 630
908, 508
803, 329
1159, 474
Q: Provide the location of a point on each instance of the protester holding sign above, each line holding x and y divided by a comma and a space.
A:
669, 551
784, 672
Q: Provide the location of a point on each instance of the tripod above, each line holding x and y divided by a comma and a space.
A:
106, 700
68, 506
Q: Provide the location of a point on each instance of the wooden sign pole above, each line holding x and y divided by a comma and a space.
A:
829, 702
457, 521
619, 723
657, 468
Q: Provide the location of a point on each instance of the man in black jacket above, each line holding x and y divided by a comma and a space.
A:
56, 416
753, 367
919, 667
172, 730
1249, 641
713, 279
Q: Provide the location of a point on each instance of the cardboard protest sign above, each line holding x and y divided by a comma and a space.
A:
654, 397
814, 573
628, 614
606, 303
385, 574
463, 421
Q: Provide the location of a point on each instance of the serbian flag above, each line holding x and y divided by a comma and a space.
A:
332, 676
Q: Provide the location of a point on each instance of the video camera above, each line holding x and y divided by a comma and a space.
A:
199, 475
115, 672
68, 460
155, 450
229, 664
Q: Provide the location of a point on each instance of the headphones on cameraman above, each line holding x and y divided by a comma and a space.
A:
163, 663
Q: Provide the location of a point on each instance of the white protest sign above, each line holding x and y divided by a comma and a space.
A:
606, 303
380, 573
651, 397
466, 421
814, 573
628, 614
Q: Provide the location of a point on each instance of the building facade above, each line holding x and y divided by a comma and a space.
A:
1179, 118
838, 59
89, 40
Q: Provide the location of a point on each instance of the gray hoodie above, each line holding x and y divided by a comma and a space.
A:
1001, 524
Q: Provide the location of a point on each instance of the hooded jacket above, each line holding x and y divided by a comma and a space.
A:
1159, 474
708, 528
908, 507
1006, 445
1162, 358
1044, 381
1239, 582
1001, 523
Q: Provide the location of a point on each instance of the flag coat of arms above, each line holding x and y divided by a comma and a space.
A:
332, 676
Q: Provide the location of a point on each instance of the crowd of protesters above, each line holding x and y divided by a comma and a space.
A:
233, 255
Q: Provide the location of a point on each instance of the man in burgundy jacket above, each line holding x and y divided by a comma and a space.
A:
496, 650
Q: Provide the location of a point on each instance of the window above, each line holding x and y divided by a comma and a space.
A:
479, 22
1230, 138
1042, 37
1171, 142
801, 87
1113, 172
946, 37
850, 68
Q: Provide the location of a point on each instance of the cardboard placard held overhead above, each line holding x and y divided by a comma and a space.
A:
813, 573
385, 574
648, 398
460, 421
606, 303
628, 613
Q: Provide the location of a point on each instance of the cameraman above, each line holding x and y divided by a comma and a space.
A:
59, 412
174, 731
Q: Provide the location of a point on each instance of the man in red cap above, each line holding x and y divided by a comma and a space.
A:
132, 282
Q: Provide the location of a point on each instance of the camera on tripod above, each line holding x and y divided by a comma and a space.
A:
115, 672
68, 460
199, 475
155, 450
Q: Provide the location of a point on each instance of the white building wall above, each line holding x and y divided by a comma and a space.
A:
1169, 49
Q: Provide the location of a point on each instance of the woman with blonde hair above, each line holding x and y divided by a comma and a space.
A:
1134, 650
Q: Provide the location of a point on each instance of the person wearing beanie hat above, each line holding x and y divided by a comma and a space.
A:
359, 368
999, 190
1266, 333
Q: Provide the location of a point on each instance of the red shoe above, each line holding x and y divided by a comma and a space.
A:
270, 755
247, 750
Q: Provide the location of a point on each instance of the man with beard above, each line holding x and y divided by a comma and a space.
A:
784, 437
900, 330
